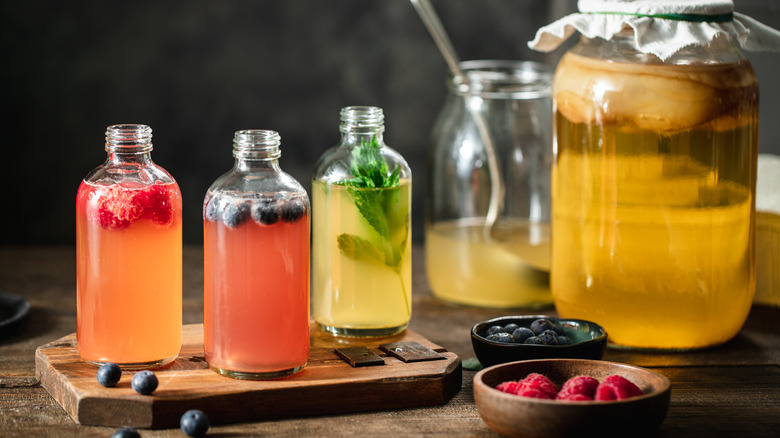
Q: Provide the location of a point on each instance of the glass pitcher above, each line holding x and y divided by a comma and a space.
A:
487, 235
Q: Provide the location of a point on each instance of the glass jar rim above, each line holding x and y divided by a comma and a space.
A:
503, 79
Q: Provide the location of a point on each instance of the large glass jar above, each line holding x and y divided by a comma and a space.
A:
487, 235
362, 252
654, 191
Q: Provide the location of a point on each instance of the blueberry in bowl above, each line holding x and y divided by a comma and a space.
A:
536, 337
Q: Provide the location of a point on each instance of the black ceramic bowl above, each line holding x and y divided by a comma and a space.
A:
589, 341
12, 309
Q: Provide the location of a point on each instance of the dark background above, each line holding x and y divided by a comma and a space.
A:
196, 71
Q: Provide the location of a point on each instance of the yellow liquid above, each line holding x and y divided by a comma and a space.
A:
653, 218
506, 267
359, 296
767, 259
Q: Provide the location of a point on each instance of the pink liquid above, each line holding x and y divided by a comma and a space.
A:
256, 297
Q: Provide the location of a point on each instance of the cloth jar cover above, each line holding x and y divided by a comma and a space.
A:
661, 27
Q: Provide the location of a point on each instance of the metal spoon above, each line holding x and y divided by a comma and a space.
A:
433, 24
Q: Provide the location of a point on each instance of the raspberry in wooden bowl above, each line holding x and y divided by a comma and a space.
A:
541, 406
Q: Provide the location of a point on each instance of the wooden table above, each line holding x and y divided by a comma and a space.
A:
733, 390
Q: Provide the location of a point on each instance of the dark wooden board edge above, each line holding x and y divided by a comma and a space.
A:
353, 398
142, 412
53, 380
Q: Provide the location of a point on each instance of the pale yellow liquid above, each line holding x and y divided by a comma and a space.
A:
506, 266
358, 297
767, 259
653, 205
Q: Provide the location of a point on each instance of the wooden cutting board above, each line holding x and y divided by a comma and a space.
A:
327, 385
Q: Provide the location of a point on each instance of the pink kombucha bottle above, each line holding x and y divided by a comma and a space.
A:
256, 265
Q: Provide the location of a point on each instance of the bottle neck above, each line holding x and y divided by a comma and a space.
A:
256, 149
129, 144
361, 124
358, 138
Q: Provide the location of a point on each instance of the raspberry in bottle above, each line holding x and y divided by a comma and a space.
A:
129, 256
256, 265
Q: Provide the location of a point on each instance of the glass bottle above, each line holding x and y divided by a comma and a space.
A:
361, 195
487, 234
129, 256
653, 191
256, 265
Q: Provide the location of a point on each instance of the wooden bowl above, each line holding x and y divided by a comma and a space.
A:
516, 416
589, 341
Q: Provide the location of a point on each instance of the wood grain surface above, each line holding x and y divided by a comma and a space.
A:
327, 385
729, 391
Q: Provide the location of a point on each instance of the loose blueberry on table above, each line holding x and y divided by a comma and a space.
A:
194, 423
109, 374
144, 382
126, 432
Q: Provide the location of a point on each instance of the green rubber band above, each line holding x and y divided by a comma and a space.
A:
696, 18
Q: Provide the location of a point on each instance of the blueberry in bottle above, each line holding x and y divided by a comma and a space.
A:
292, 210
265, 211
213, 209
235, 214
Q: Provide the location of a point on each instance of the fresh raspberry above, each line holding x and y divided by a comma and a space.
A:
573, 397
510, 387
535, 393
534, 385
578, 388
541, 383
155, 201
116, 209
615, 387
